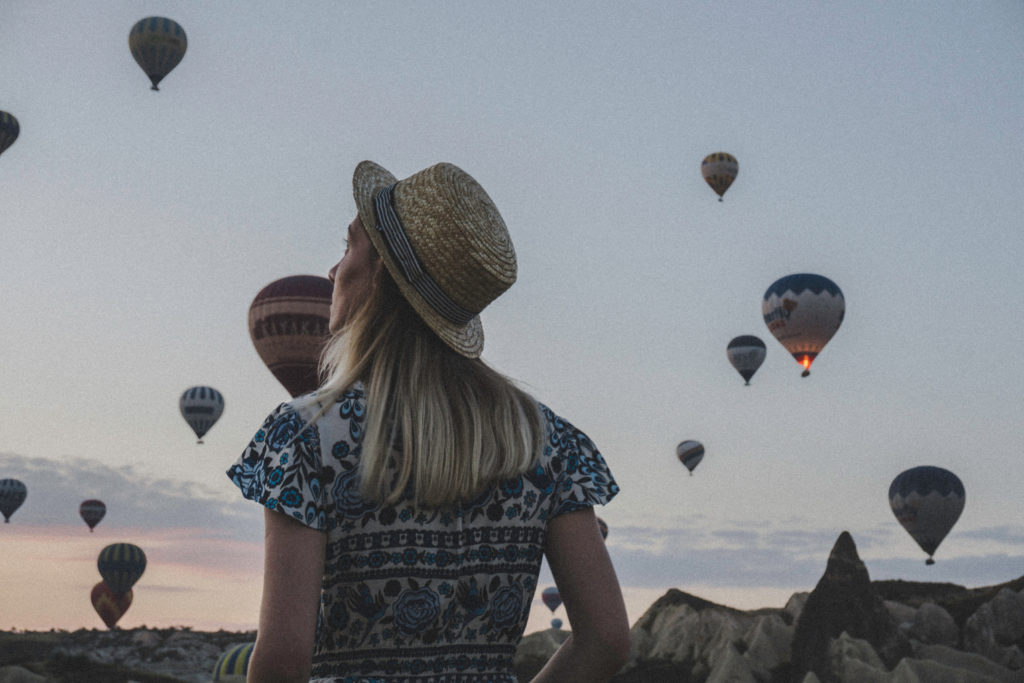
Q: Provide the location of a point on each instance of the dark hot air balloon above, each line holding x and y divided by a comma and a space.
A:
288, 322
746, 353
92, 512
201, 407
603, 526
927, 501
108, 604
9, 130
157, 44
803, 311
121, 565
551, 598
690, 453
12, 495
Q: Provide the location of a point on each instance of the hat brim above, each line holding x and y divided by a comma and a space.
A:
367, 180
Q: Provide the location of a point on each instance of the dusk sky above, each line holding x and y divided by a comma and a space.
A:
879, 144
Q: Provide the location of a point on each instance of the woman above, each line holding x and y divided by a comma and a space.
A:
409, 502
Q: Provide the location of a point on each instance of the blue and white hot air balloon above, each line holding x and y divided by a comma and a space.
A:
201, 407
746, 353
927, 501
690, 453
803, 311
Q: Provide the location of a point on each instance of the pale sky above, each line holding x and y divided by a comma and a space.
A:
879, 145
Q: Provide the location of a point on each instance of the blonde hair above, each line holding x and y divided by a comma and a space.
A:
438, 424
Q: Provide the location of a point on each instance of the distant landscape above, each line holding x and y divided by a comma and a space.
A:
848, 628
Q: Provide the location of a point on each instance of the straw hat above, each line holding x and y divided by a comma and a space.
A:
444, 243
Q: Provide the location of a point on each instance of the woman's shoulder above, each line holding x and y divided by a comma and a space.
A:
557, 426
574, 464
290, 418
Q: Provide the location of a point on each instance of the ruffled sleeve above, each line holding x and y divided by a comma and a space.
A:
281, 468
581, 476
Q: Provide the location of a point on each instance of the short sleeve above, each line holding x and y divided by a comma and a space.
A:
281, 468
581, 475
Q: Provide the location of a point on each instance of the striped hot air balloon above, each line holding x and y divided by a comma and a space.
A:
110, 606
927, 501
121, 565
157, 44
12, 494
690, 453
201, 407
803, 311
288, 323
233, 665
719, 170
746, 353
92, 512
9, 130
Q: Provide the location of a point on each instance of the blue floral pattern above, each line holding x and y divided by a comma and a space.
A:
410, 595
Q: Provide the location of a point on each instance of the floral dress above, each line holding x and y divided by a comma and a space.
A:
409, 595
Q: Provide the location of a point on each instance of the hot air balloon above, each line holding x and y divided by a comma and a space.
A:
288, 322
92, 512
603, 526
556, 623
803, 311
719, 170
157, 44
927, 501
233, 665
12, 495
551, 598
9, 130
121, 565
109, 605
690, 453
746, 353
201, 407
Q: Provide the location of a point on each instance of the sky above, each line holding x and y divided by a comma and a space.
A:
879, 145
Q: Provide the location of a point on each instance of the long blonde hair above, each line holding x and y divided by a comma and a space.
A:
447, 425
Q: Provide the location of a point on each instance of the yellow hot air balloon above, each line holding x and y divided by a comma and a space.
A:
233, 665
157, 44
719, 170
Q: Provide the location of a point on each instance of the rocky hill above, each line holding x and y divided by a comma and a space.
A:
847, 629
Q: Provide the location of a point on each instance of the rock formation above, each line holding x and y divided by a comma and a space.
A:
843, 602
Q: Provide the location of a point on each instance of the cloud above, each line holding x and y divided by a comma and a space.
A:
747, 555
972, 571
202, 528
1001, 534
134, 500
